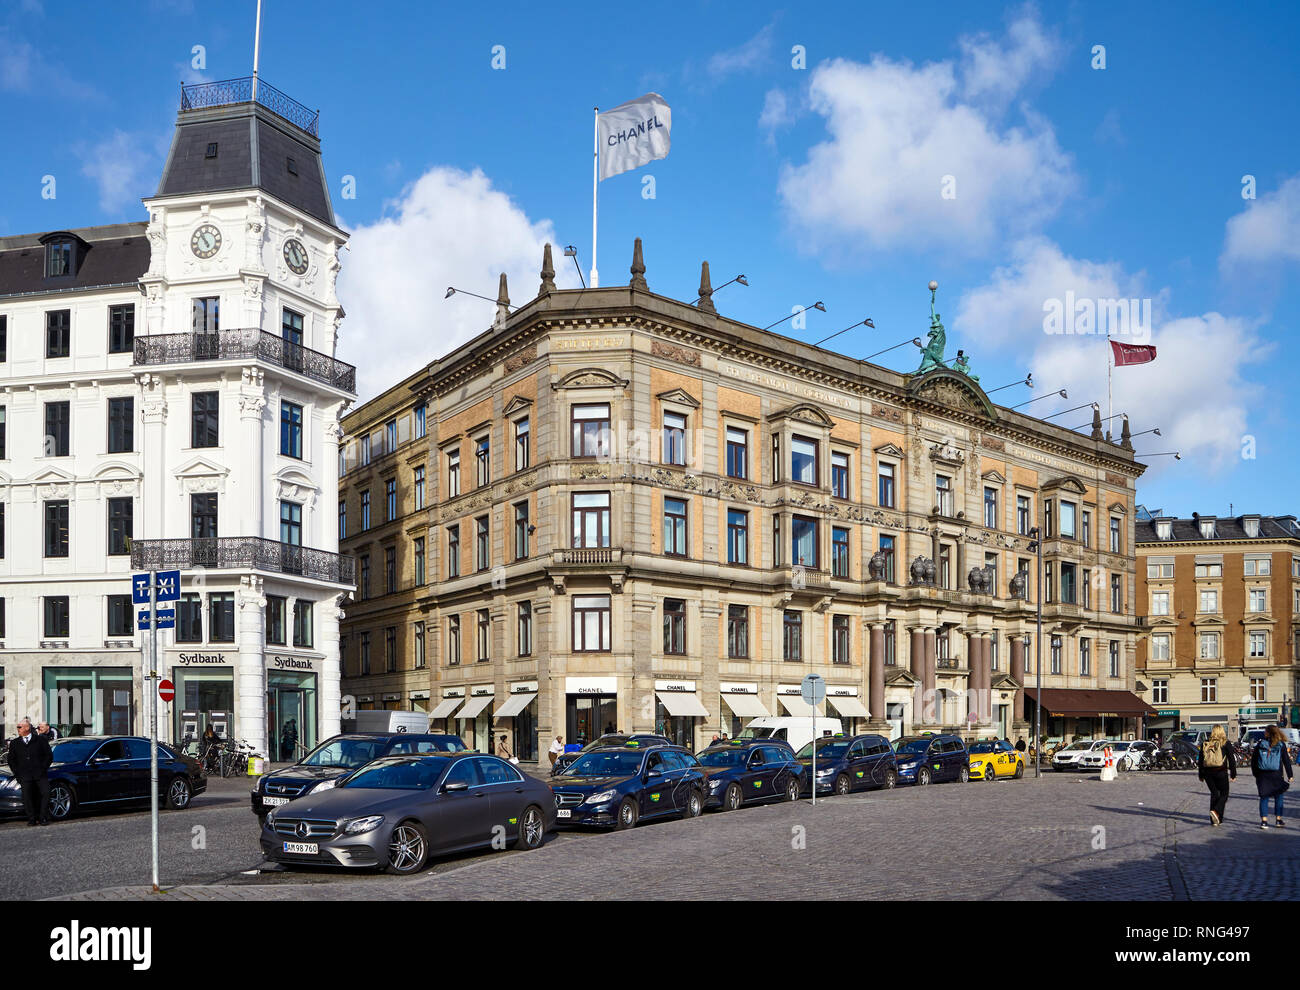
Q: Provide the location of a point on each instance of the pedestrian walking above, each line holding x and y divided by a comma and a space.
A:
1271, 765
503, 750
1020, 744
29, 760
556, 749
1217, 766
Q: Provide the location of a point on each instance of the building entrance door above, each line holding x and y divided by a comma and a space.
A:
588, 716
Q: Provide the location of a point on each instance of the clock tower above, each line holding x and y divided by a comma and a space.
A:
241, 397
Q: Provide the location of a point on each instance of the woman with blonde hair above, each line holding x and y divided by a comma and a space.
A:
1267, 763
1217, 766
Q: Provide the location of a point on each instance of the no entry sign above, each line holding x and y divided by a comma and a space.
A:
166, 691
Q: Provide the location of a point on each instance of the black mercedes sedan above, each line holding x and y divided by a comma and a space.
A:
747, 771
92, 772
617, 786
339, 755
395, 812
565, 760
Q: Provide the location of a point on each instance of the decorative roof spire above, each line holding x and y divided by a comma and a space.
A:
548, 272
503, 302
1125, 438
1096, 423
638, 268
706, 291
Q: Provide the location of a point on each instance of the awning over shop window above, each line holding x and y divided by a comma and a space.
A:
848, 706
745, 705
1071, 702
795, 705
516, 704
682, 704
475, 705
445, 707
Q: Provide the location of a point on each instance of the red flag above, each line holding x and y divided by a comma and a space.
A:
1126, 354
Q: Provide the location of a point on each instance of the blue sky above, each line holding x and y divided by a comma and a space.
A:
823, 182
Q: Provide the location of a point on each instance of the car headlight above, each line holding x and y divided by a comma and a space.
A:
826, 773
602, 796
324, 785
716, 783
10, 783
359, 825
270, 818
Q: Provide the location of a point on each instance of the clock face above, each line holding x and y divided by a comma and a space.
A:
295, 256
206, 241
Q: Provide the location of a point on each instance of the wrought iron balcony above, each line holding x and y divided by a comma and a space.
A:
246, 344
228, 91
243, 553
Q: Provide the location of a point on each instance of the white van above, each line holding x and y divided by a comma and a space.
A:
387, 721
797, 730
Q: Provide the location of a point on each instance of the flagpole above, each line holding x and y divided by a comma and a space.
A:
595, 180
1110, 363
257, 47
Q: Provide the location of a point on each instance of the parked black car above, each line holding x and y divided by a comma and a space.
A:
109, 772
747, 771
617, 786
849, 763
338, 755
565, 760
931, 759
397, 811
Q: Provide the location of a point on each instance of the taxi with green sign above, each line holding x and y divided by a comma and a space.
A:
618, 786
849, 763
749, 771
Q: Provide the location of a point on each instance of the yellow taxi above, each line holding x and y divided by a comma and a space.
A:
994, 758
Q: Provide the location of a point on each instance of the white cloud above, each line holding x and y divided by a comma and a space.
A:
1267, 230
776, 113
996, 71
122, 166
744, 58
1197, 356
448, 228
897, 130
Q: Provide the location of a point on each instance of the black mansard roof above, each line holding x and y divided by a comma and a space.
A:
111, 255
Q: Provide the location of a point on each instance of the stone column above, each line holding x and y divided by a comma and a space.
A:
252, 406
250, 673
985, 679
153, 518
1018, 675
876, 677
927, 672
328, 614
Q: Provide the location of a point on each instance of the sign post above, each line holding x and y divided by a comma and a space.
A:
813, 691
151, 589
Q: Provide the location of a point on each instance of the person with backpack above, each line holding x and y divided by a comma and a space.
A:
1217, 766
1267, 763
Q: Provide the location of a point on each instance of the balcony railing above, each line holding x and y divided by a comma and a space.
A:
243, 552
246, 344
588, 556
228, 91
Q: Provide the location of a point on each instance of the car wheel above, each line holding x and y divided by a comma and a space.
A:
1020, 770
732, 799
694, 805
964, 775
532, 828
843, 785
1121, 766
62, 801
627, 814
990, 773
1184, 763
179, 793
891, 779
923, 776
408, 849
792, 789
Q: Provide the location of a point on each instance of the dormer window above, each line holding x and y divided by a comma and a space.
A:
1251, 525
292, 165
211, 151
59, 258
1207, 529
1164, 528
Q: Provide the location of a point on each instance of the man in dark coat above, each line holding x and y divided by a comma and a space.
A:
30, 759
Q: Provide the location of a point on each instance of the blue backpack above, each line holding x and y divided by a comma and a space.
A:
1269, 757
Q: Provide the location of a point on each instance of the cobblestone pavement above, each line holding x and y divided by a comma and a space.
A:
1143, 836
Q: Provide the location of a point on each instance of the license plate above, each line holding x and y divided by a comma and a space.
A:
564, 813
307, 848
273, 802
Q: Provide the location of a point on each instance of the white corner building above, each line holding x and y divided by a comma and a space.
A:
169, 400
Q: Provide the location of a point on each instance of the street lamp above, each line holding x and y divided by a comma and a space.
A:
1086, 405
1175, 454
861, 323
1027, 380
452, 290
915, 340
1104, 419
1061, 392
572, 252
1036, 547
803, 309
742, 279
1154, 429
